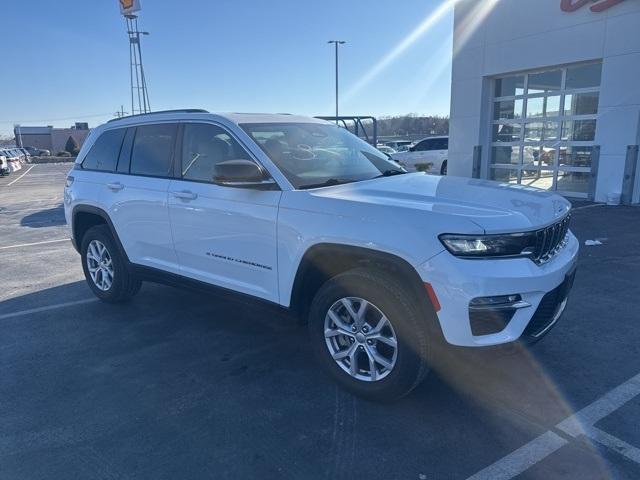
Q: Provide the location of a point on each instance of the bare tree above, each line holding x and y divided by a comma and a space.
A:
7, 140
413, 124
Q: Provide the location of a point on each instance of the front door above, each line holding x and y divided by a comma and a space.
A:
224, 236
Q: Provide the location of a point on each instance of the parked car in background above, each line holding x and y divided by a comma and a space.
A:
4, 166
428, 155
386, 149
38, 152
14, 160
20, 153
10, 154
399, 145
25, 152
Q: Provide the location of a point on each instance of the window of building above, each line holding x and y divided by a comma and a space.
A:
205, 145
104, 153
153, 150
543, 128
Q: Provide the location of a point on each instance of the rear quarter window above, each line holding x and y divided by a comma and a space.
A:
105, 151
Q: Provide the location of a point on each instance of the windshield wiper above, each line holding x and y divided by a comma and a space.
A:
326, 183
391, 173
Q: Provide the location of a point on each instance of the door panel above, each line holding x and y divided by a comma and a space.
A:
226, 236
222, 235
139, 212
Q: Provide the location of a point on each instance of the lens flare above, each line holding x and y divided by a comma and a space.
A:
431, 20
472, 20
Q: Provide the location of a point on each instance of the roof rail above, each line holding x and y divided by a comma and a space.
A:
182, 110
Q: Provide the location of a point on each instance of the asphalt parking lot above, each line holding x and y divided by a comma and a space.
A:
178, 384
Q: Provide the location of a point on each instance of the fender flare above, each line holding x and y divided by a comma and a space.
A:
362, 255
89, 209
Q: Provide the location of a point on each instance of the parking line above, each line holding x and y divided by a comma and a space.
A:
11, 183
527, 456
580, 423
604, 406
35, 243
615, 444
48, 307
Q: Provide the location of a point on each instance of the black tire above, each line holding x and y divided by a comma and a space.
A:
443, 168
407, 318
124, 285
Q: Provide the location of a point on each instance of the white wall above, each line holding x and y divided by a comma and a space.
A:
521, 35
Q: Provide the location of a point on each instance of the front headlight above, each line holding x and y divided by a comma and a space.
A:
480, 246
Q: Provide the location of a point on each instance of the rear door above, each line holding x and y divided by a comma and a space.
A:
223, 235
136, 195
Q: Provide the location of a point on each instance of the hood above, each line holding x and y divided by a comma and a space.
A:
493, 206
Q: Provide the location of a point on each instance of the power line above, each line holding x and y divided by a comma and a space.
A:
75, 117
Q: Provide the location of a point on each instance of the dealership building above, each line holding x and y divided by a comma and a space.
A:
546, 93
50, 138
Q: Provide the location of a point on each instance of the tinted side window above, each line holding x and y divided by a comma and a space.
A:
153, 150
440, 144
423, 145
104, 153
203, 146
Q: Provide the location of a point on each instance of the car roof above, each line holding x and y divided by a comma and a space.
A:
237, 118
240, 118
439, 137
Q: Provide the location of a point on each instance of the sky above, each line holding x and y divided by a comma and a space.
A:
68, 61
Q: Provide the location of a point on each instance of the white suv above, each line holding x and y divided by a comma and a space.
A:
385, 265
428, 155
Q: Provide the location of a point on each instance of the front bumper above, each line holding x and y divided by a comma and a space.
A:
457, 281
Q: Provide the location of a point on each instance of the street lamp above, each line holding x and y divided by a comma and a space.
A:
337, 43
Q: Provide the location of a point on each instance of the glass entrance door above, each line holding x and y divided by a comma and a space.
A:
543, 128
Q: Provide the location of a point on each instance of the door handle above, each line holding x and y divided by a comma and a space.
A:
185, 195
117, 186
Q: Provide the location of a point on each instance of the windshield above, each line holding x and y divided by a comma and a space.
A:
314, 155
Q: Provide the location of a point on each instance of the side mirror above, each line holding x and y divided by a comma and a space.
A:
412, 149
241, 173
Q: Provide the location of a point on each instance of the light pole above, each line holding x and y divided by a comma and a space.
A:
138, 80
337, 43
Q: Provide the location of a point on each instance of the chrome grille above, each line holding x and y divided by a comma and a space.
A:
550, 240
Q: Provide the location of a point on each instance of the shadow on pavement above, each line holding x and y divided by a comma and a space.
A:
45, 218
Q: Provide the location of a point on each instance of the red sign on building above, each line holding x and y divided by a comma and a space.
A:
599, 5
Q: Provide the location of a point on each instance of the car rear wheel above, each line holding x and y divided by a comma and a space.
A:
369, 335
105, 268
443, 168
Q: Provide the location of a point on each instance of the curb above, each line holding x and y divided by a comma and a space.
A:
37, 160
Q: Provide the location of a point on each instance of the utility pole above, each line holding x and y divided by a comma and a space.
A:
16, 129
337, 43
121, 113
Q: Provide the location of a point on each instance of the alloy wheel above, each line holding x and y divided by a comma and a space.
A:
360, 339
100, 265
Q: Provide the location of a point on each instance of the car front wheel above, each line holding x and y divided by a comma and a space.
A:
369, 335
